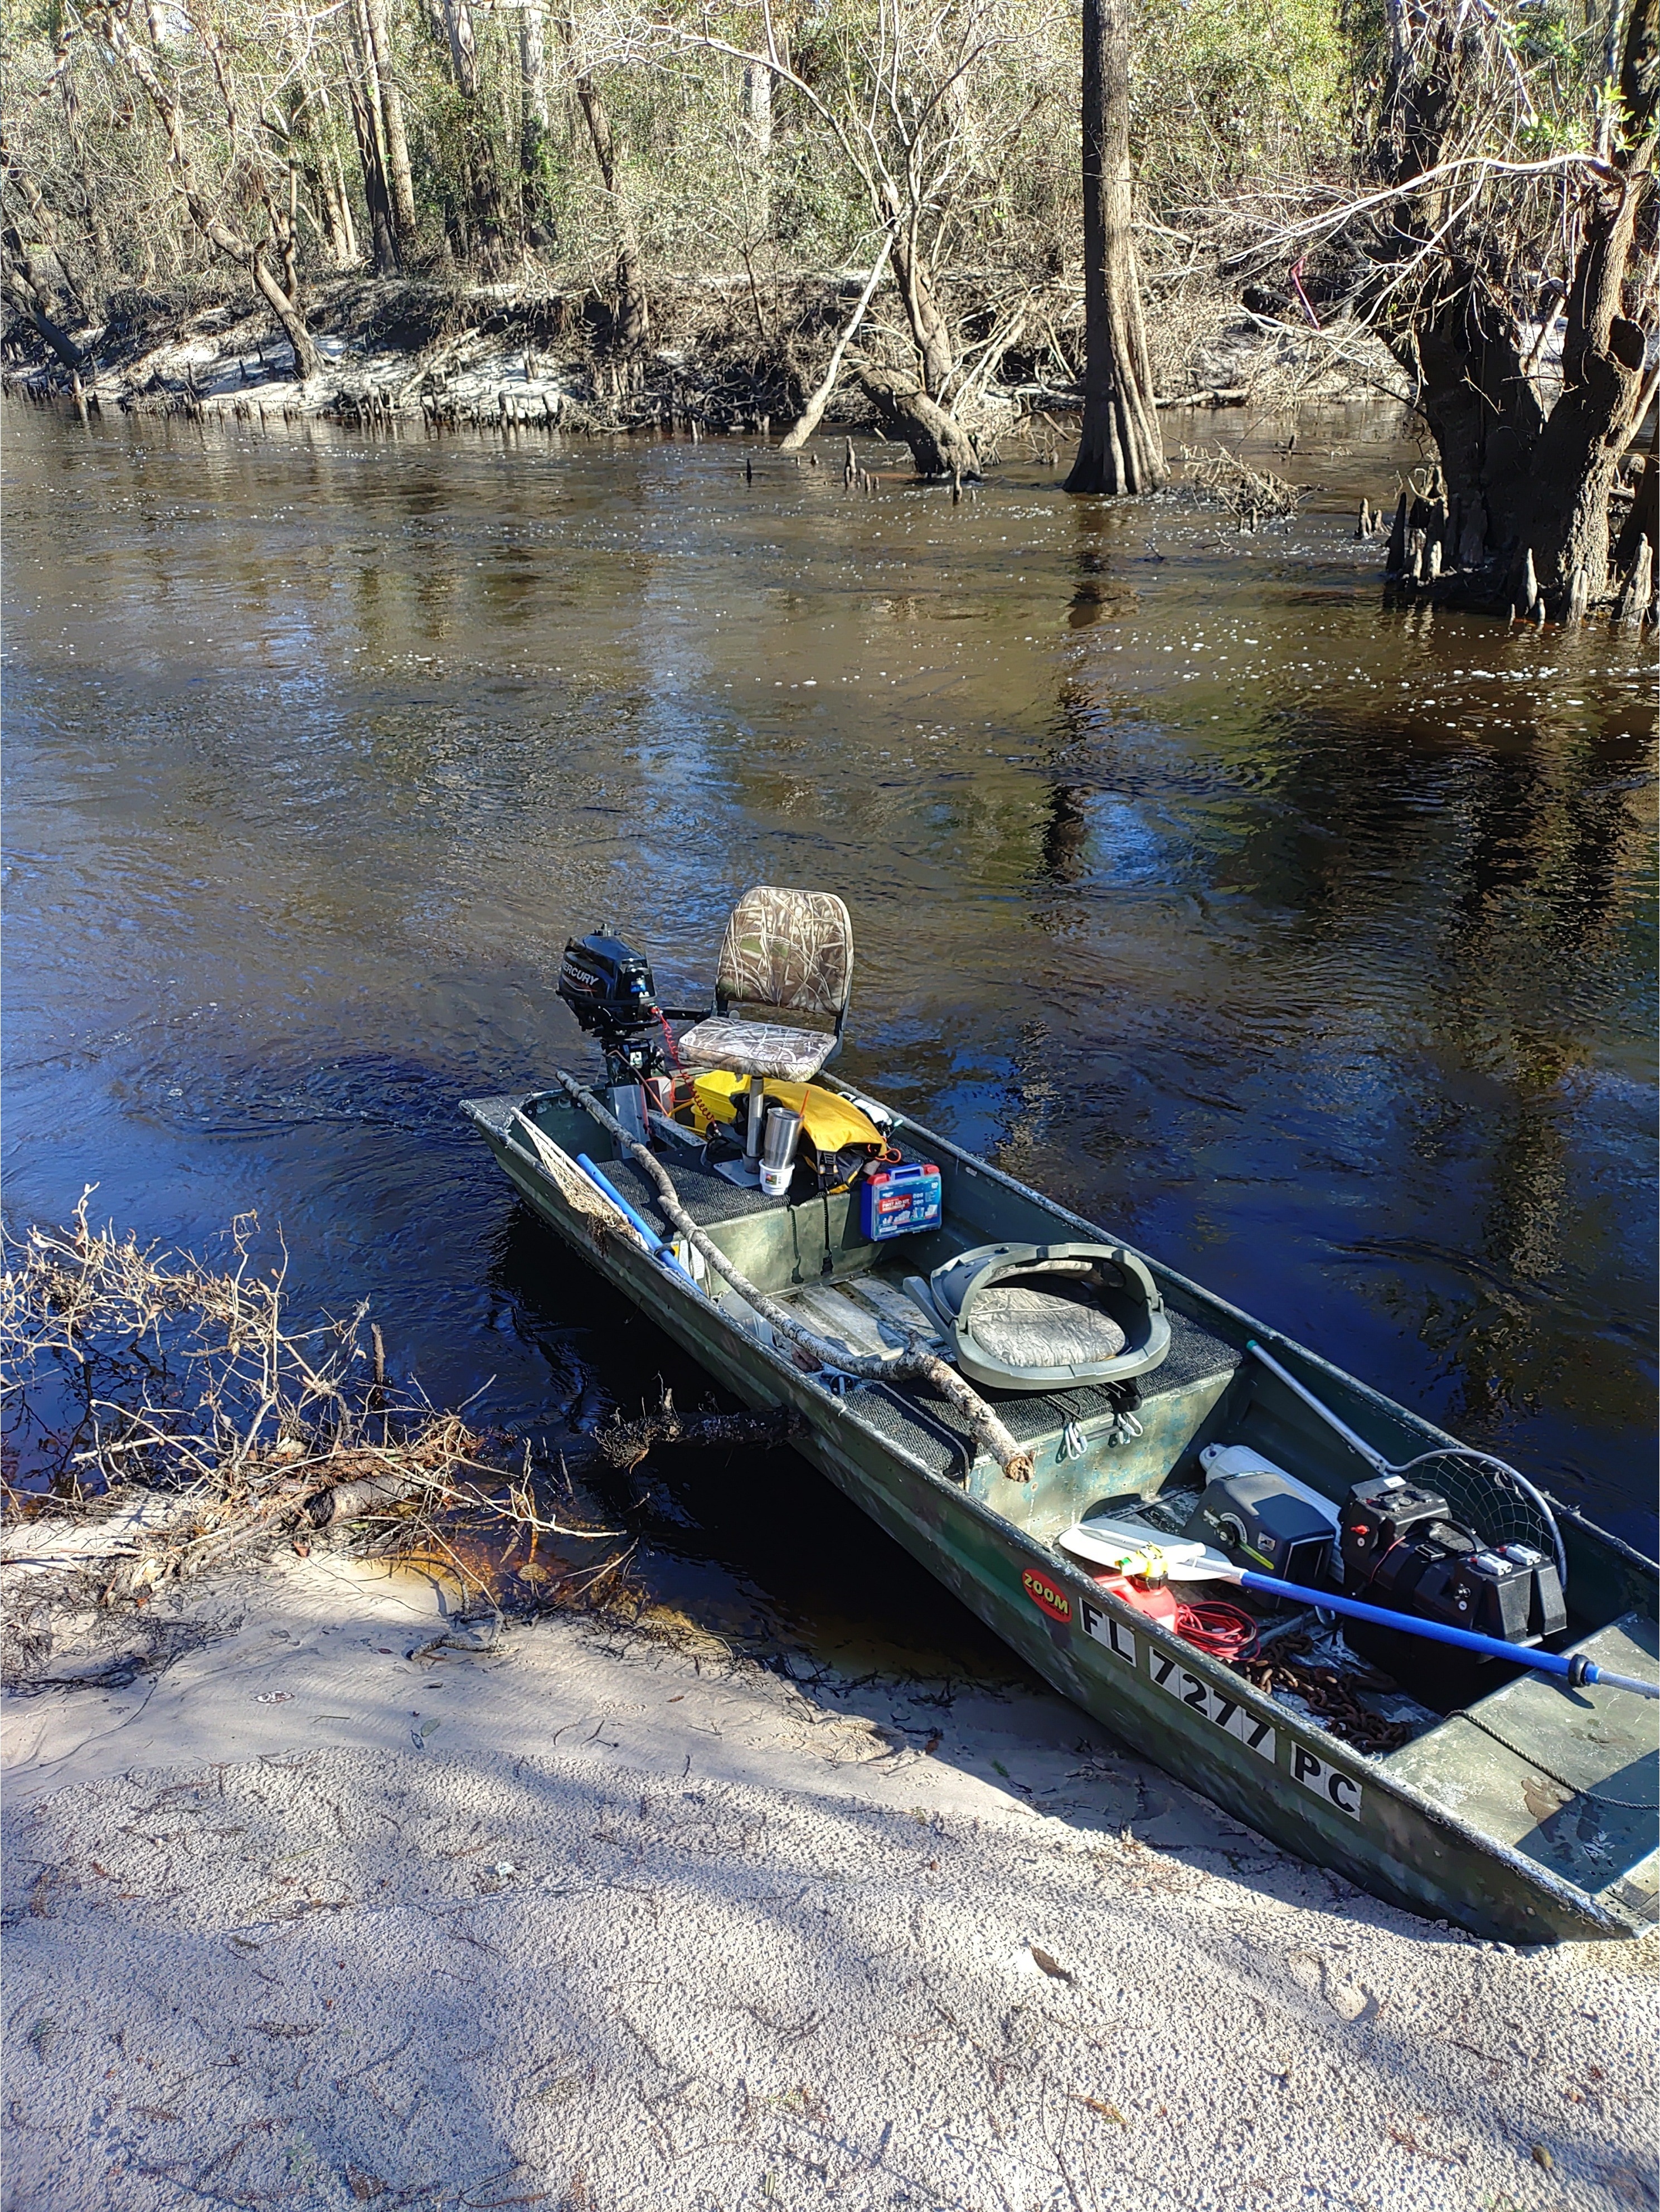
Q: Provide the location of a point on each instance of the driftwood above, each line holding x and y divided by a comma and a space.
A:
939, 447
625, 1443
915, 1361
146, 1524
813, 414
370, 1483
1256, 496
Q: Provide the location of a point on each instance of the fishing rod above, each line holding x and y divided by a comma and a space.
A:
1130, 1551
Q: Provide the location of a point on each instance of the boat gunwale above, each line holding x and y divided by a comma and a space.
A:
1215, 1301
743, 1347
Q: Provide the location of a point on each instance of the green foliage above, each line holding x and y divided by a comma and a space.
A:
1230, 91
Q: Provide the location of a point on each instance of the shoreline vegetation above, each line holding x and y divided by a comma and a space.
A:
964, 224
169, 1425
507, 356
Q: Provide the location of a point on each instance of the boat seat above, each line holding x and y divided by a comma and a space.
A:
1041, 1316
754, 1049
1044, 1328
788, 951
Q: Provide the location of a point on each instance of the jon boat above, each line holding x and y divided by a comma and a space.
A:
1524, 1810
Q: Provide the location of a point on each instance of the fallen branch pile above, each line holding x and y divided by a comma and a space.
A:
1256, 496
163, 1421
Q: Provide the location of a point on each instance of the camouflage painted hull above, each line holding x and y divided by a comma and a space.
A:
1452, 1826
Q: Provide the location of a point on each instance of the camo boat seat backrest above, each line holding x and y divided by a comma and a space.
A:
791, 950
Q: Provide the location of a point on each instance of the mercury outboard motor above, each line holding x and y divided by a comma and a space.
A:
608, 987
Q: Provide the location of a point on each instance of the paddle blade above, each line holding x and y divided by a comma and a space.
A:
1135, 1551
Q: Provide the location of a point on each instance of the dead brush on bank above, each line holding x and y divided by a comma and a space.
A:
1220, 478
163, 1421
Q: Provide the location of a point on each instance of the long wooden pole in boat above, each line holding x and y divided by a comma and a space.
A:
916, 1362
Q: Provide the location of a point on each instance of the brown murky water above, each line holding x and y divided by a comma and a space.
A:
1303, 943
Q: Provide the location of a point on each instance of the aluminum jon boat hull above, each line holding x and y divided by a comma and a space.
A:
1528, 1819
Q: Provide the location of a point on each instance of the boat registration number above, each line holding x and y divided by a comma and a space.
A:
1326, 1781
1319, 1775
1199, 1697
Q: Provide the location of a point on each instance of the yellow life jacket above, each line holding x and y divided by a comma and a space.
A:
830, 1122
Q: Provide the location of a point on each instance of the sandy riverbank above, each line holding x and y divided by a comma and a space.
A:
503, 357
305, 1921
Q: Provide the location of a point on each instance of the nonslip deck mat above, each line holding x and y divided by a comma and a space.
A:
708, 1197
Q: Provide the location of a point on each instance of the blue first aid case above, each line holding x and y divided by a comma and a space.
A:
897, 1200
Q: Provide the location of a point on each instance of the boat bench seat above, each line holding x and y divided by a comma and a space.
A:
1573, 1783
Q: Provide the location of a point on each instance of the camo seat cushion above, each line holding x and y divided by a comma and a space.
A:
788, 949
1043, 1328
757, 1048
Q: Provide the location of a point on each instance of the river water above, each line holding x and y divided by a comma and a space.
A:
1306, 944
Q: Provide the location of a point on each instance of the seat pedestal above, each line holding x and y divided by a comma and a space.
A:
746, 1172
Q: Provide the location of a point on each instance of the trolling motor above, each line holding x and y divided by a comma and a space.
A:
609, 988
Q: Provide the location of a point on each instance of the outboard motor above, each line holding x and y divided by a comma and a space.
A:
608, 987
1046, 1316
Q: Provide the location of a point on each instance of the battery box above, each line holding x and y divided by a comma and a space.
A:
897, 1201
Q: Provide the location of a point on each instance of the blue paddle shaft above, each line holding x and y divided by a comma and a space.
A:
1466, 1639
656, 1245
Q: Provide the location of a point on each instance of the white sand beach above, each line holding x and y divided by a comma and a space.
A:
577, 1922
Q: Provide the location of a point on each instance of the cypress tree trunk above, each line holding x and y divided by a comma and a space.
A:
930, 332
633, 322
1526, 519
533, 91
1121, 449
362, 93
757, 111
486, 214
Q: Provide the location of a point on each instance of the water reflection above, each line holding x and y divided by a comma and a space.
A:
1102, 592
1305, 945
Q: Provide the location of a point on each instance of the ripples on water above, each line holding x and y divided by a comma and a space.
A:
1305, 945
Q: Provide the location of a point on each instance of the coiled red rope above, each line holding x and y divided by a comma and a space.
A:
1222, 1629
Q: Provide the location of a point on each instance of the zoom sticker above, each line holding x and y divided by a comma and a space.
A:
1326, 1781
1042, 1592
1216, 1705
1106, 1630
